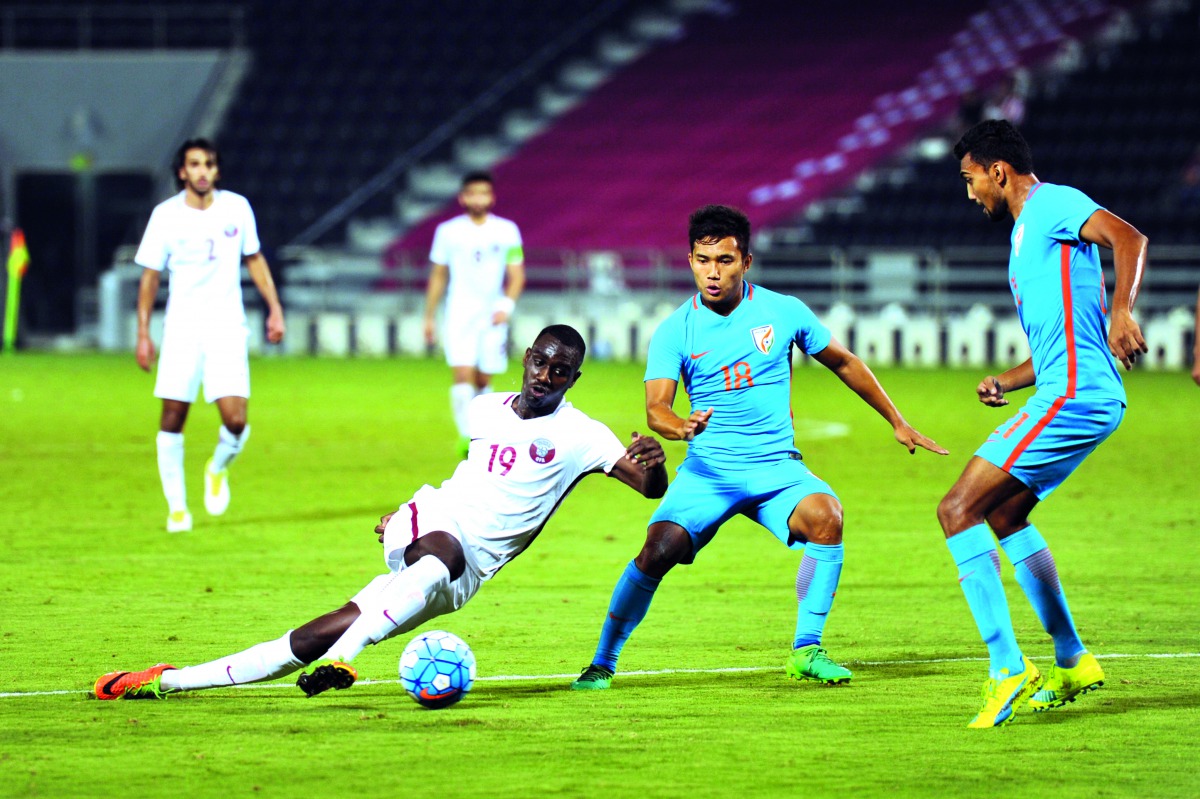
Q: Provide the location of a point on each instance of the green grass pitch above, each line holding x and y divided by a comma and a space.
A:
90, 582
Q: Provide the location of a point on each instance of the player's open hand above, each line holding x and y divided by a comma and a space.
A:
145, 353
695, 424
1125, 338
645, 451
383, 523
275, 327
990, 392
907, 435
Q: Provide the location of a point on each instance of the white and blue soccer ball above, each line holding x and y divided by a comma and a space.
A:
437, 669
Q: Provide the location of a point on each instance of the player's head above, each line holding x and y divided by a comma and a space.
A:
720, 252
551, 367
989, 155
478, 194
195, 166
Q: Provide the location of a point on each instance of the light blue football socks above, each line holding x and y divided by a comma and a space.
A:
628, 606
816, 584
1038, 577
974, 551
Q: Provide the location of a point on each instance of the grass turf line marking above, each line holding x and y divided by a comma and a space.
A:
644, 673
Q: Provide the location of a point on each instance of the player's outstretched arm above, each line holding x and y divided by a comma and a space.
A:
644, 467
1129, 261
439, 276
147, 291
661, 416
858, 376
991, 389
260, 273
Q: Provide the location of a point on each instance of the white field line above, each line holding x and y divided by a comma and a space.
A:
650, 672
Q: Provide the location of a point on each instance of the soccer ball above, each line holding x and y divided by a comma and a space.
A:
437, 669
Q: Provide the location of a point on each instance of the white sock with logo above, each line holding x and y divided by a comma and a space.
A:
170, 469
461, 395
396, 601
264, 661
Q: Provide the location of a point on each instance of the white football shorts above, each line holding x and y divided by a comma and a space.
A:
481, 345
217, 359
420, 516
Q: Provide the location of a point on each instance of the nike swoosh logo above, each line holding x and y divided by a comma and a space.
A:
700, 355
965, 576
108, 686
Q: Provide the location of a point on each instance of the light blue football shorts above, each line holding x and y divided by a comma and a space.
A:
1049, 437
702, 498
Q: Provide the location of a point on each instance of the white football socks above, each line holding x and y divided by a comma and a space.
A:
228, 447
265, 661
170, 469
386, 611
461, 395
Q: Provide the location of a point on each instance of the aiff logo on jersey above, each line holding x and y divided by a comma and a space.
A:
231, 231
764, 338
542, 451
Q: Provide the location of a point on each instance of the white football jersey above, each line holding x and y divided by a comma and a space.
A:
519, 471
203, 249
477, 256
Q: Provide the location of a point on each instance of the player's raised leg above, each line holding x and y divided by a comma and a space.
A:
169, 444
666, 545
817, 519
1012, 678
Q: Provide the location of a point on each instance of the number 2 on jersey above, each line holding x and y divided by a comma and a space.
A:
507, 457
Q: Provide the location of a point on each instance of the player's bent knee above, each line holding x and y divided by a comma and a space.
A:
666, 545
953, 514
442, 546
817, 519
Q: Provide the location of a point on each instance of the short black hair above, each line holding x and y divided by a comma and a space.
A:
715, 222
199, 143
995, 140
566, 335
478, 176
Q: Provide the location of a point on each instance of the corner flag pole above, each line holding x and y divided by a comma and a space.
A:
18, 264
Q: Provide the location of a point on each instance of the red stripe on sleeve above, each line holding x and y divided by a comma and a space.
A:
1068, 318
1032, 434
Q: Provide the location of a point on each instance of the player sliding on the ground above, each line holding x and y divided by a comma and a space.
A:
732, 343
527, 452
1054, 271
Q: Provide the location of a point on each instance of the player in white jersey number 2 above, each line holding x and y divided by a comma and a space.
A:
528, 451
479, 264
203, 236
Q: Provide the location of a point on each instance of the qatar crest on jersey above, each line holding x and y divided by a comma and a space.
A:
542, 450
231, 231
764, 338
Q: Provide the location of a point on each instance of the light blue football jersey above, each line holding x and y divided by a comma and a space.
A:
740, 366
1058, 286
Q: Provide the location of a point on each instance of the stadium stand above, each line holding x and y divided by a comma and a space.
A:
1121, 128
